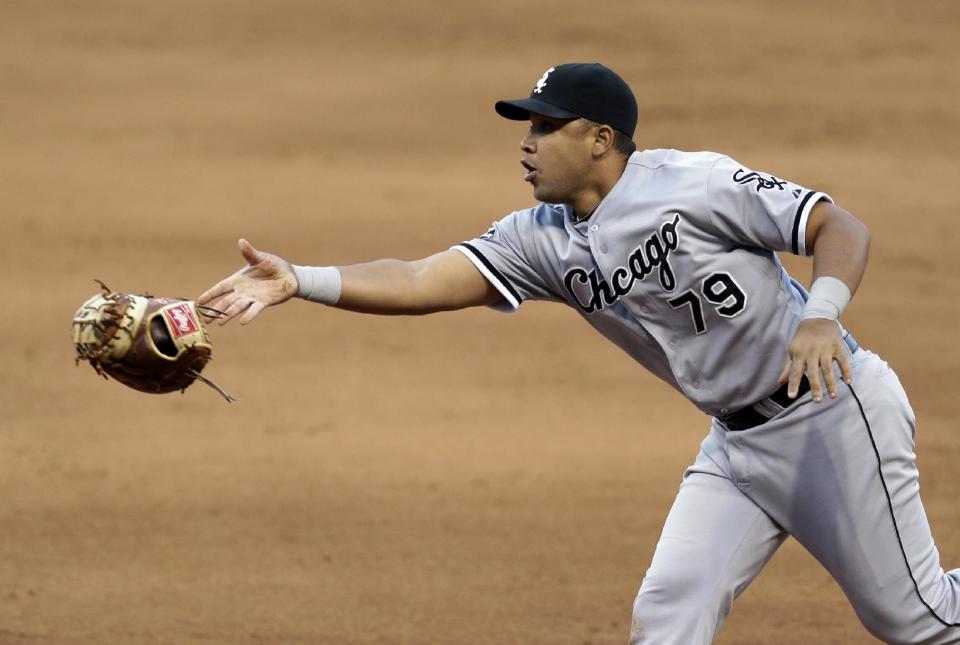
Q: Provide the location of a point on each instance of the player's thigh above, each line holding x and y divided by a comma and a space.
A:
845, 484
907, 597
714, 542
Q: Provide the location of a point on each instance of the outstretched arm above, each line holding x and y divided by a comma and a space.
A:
442, 282
840, 244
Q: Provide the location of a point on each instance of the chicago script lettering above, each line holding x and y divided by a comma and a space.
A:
652, 253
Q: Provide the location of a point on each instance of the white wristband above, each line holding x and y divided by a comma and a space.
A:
318, 284
828, 298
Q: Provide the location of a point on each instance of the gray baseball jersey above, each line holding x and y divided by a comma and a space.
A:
677, 266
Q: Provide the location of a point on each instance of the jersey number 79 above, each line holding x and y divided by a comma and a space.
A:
721, 290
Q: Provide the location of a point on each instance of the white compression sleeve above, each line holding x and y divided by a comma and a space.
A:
318, 284
828, 298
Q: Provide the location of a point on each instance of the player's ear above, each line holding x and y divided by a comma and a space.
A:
602, 140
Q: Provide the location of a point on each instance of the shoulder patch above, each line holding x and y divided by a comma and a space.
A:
744, 177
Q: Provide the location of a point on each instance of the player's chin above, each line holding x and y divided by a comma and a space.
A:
543, 193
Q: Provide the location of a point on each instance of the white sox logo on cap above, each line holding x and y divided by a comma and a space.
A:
543, 81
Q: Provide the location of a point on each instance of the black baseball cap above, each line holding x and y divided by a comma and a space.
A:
578, 90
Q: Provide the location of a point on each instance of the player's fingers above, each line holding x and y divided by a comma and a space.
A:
214, 310
845, 372
785, 373
222, 287
239, 306
219, 304
810, 368
813, 377
796, 374
251, 313
826, 366
223, 302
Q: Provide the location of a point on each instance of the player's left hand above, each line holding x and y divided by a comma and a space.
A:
814, 348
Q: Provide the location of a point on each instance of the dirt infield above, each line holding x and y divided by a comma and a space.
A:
465, 478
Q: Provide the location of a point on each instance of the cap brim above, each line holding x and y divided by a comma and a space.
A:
520, 109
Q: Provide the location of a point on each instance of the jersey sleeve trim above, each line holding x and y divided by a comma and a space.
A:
809, 200
491, 273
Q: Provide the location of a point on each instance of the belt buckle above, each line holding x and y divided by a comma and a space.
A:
768, 407
765, 408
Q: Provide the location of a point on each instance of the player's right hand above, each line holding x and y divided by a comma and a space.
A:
266, 280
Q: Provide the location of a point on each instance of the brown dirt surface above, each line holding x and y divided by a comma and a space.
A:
461, 478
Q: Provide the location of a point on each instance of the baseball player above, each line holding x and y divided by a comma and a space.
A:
673, 256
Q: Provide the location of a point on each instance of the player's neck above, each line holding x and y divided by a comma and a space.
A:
607, 176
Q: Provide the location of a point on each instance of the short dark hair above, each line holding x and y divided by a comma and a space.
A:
621, 142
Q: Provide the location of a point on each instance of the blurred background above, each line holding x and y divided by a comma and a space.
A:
467, 477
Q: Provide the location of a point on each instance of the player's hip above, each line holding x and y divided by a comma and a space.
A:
874, 397
779, 403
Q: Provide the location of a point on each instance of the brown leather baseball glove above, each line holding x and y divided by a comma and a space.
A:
154, 345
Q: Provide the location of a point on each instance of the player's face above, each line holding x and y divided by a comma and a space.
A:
556, 157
